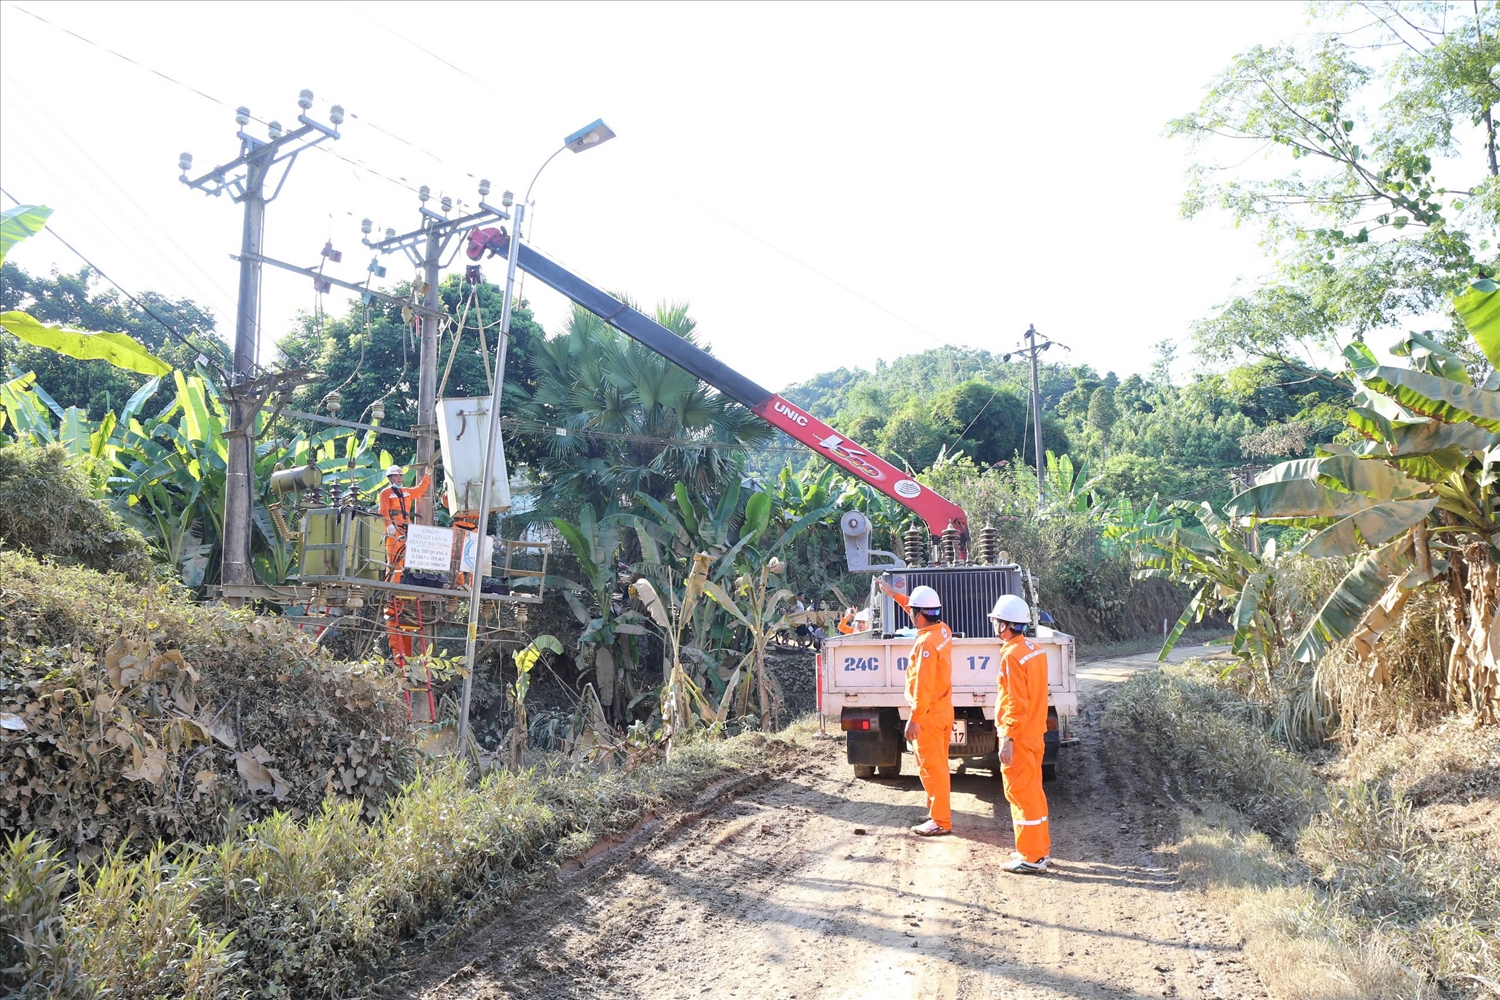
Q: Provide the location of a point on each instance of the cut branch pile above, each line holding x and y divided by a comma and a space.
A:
128, 715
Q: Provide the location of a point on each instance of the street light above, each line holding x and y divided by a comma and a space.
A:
591, 135
585, 138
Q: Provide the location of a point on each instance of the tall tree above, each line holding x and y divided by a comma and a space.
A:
988, 422
636, 421
1377, 197
1103, 414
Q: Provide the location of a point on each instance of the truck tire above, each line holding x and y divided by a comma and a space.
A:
1049, 772
864, 771
892, 771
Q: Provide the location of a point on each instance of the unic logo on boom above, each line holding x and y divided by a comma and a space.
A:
800, 419
854, 456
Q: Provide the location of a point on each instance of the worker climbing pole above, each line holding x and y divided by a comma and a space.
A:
404, 626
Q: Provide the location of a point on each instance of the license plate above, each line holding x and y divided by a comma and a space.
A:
960, 732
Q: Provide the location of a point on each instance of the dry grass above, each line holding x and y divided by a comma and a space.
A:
1374, 875
1302, 947
318, 908
224, 718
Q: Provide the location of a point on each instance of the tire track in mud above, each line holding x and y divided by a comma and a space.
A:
809, 887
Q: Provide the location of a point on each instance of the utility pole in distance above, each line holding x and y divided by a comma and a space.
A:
425, 247
1032, 349
258, 157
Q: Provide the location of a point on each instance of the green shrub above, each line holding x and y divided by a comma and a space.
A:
47, 507
1085, 585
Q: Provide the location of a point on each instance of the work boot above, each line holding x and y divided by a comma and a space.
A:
1018, 865
931, 829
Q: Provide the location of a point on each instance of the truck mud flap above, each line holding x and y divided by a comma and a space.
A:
879, 748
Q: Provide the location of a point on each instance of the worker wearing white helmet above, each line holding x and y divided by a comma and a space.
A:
929, 692
398, 505
1021, 718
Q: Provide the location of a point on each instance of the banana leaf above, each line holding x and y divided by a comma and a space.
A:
73, 432
1372, 527
1350, 601
119, 349
1427, 355
1296, 500
1193, 612
1479, 308
17, 223
1424, 394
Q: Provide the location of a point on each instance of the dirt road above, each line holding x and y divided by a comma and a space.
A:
810, 886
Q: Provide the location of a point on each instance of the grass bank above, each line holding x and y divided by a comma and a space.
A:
318, 907
1375, 874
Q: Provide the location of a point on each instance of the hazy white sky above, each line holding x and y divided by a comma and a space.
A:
825, 184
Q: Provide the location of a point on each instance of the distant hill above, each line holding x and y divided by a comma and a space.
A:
927, 375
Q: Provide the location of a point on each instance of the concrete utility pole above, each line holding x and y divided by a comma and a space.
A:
424, 247
247, 394
1036, 409
1032, 349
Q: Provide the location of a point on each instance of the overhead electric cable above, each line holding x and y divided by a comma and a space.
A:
198, 317
123, 191
137, 302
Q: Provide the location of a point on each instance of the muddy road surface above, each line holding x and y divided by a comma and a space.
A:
807, 885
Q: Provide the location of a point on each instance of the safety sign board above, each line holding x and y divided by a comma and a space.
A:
429, 548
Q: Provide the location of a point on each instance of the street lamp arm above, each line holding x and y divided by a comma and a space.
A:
527, 200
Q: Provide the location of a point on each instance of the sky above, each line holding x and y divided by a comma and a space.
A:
825, 185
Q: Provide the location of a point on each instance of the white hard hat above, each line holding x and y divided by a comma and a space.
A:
924, 598
395, 470
1012, 609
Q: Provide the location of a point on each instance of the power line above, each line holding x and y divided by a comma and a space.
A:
120, 55
135, 301
199, 318
109, 177
825, 276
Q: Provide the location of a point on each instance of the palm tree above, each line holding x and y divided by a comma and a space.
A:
636, 421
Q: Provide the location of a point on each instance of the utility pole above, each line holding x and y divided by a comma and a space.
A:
1032, 350
258, 158
424, 247
1036, 409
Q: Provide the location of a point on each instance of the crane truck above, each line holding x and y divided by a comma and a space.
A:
860, 677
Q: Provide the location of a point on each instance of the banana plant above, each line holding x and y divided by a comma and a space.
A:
683, 702
732, 542
1412, 501
166, 471
1213, 558
611, 630
761, 611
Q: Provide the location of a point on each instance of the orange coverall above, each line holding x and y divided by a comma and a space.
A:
398, 505
1022, 716
929, 692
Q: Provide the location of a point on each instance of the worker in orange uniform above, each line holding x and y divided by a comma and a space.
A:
929, 692
398, 505
1021, 718
854, 620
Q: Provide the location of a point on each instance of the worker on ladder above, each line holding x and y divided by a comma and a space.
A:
398, 505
